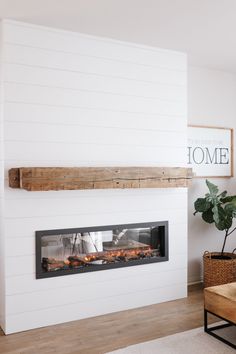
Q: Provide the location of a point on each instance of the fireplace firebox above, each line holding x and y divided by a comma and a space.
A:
79, 250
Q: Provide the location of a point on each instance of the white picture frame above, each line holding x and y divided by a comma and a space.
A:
210, 151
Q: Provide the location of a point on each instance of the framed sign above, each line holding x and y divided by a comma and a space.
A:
210, 151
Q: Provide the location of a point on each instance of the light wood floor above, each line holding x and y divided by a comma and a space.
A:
109, 332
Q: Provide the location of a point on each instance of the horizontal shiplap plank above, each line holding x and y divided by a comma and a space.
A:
1, 129
24, 227
66, 41
28, 302
92, 154
75, 116
125, 79
103, 67
51, 316
66, 206
19, 131
97, 100
26, 283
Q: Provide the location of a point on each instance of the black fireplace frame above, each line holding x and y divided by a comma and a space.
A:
40, 273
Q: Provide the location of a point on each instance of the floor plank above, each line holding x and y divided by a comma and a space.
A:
106, 333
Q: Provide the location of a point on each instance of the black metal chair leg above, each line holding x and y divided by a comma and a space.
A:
210, 330
205, 320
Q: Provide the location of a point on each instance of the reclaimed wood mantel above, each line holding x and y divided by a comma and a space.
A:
71, 178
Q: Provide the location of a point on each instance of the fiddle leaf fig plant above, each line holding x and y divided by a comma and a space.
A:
217, 208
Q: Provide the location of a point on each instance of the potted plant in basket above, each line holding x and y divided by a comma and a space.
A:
219, 209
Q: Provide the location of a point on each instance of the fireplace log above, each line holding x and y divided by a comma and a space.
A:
66, 178
52, 264
76, 261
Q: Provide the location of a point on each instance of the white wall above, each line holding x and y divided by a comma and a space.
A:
212, 102
75, 100
2, 240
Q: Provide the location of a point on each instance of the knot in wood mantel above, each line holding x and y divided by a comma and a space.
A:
72, 178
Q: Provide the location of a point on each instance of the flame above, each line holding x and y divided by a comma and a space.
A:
109, 255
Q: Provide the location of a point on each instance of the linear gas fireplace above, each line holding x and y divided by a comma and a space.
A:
79, 250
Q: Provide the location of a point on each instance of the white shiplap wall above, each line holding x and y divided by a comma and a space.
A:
77, 100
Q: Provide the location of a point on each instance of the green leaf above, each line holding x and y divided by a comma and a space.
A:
228, 223
222, 195
212, 188
230, 209
201, 205
230, 199
208, 216
224, 224
224, 218
216, 215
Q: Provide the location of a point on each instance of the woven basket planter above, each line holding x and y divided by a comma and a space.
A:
219, 271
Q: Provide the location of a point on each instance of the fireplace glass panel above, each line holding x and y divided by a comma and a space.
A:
80, 250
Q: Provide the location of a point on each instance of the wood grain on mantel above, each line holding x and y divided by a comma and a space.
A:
71, 178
